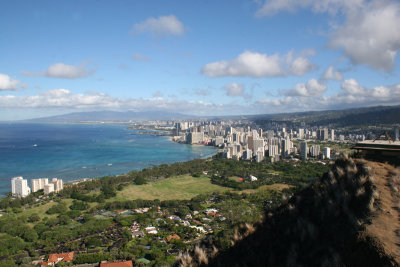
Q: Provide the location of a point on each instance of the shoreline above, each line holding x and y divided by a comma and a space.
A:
136, 165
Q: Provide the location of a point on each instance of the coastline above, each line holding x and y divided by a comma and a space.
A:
84, 152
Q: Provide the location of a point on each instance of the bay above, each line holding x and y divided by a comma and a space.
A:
75, 151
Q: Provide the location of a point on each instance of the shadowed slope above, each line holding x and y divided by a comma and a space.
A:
348, 218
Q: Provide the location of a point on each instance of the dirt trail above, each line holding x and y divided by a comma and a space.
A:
385, 223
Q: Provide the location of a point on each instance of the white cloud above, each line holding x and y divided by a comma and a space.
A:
246, 64
332, 74
312, 88
352, 87
299, 66
352, 95
161, 26
371, 36
63, 99
276, 102
63, 71
140, 57
271, 7
234, 89
6, 83
253, 64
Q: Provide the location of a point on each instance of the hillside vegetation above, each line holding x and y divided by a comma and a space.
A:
379, 115
350, 217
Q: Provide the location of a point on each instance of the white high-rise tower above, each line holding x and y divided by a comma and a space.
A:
19, 187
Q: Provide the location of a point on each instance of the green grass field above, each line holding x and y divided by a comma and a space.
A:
41, 209
181, 187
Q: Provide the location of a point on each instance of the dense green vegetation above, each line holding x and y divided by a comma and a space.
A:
86, 217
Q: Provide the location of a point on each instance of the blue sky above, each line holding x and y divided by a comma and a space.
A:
197, 57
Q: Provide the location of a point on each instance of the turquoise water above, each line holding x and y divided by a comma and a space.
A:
73, 151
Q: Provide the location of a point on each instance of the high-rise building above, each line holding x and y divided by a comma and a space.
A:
325, 135
249, 142
259, 156
314, 134
258, 144
396, 134
48, 188
301, 133
303, 150
19, 187
332, 134
285, 147
247, 154
327, 152
270, 134
219, 140
58, 184
38, 184
314, 150
195, 137
273, 150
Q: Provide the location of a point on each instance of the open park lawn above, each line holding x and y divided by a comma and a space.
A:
180, 187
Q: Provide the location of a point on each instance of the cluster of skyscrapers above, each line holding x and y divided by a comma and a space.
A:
254, 144
20, 188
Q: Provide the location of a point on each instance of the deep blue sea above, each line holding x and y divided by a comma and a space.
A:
73, 151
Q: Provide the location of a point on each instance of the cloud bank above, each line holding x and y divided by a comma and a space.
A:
254, 64
67, 100
310, 96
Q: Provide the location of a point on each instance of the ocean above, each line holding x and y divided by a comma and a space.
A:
74, 151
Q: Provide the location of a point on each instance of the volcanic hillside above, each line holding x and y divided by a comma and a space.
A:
350, 217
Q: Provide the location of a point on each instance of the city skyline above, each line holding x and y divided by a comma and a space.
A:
230, 57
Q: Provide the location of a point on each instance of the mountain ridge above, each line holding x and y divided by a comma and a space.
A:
343, 117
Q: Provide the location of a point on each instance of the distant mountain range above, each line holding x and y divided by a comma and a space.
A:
110, 116
347, 117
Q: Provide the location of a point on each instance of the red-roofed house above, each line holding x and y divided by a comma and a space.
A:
56, 258
173, 236
117, 264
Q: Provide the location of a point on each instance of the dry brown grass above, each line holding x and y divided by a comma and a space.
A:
385, 225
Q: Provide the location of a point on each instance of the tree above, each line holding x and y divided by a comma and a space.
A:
33, 218
126, 233
63, 219
108, 191
58, 208
79, 205
93, 242
140, 180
